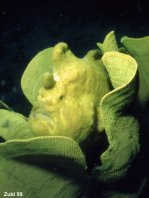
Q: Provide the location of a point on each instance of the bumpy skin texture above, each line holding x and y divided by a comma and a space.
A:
68, 102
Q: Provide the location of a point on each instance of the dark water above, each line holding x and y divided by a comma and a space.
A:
27, 27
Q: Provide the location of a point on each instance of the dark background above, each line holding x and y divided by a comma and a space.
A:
27, 27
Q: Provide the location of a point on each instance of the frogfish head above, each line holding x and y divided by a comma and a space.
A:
67, 103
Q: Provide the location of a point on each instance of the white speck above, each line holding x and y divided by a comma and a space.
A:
56, 77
